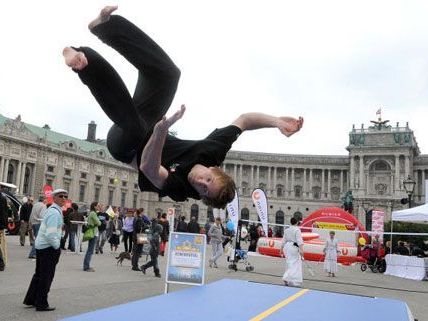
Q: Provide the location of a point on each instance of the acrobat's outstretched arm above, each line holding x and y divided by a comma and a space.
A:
152, 152
286, 125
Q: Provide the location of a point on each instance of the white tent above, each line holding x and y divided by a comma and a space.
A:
414, 214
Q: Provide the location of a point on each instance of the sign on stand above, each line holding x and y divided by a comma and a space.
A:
186, 259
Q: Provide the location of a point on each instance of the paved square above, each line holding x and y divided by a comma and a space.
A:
74, 291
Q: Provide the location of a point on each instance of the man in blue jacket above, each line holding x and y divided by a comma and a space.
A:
47, 253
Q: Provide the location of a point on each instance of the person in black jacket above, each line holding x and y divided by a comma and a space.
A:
182, 225
24, 217
155, 231
139, 227
193, 226
165, 233
254, 237
3, 227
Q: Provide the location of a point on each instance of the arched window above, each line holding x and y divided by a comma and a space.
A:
210, 214
194, 211
279, 219
245, 215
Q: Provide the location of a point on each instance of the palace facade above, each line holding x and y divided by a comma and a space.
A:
379, 158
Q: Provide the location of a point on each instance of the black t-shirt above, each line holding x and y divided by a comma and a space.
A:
179, 156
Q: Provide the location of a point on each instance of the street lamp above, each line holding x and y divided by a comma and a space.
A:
409, 186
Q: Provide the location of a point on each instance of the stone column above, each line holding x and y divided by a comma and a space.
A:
258, 177
406, 167
18, 177
286, 188
323, 183
397, 173
6, 169
21, 184
329, 184
240, 177
269, 182
292, 182
341, 181
274, 182
367, 183
305, 188
252, 177
423, 186
362, 184
310, 183
351, 173
234, 172
2, 160
416, 190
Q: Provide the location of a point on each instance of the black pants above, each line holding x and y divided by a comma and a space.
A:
137, 249
153, 262
46, 261
134, 117
127, 241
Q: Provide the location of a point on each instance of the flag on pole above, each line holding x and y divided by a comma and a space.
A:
379, 111
260, 202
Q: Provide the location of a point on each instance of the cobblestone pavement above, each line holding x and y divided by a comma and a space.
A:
75, 291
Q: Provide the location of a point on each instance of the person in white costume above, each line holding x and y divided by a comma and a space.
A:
331, 249
292, 247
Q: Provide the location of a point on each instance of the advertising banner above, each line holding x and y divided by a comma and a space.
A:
260, 202
233, 210
186, 258
377, 223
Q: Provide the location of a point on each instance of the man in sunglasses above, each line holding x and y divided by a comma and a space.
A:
47, 253
172, 167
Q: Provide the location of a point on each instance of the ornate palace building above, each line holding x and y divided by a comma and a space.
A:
380, 158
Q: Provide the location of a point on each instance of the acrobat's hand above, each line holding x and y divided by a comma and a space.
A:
166, 123
289, 125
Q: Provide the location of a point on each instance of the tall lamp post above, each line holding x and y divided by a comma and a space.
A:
409, 186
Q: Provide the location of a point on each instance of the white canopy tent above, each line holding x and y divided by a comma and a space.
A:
414, 214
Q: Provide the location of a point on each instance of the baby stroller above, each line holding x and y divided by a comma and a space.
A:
237, 255
374, 261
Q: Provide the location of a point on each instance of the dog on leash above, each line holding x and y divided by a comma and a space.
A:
122, 256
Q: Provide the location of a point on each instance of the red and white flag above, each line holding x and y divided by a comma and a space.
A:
379, 111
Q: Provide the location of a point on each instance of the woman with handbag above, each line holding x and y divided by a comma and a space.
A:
91, 235
114, 231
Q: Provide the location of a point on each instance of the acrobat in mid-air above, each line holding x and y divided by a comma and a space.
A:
167, 165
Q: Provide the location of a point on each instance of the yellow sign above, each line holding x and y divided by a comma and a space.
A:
330, 226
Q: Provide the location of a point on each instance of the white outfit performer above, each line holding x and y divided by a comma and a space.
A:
331, 250
291, 244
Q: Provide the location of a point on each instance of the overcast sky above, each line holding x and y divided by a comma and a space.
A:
333, 62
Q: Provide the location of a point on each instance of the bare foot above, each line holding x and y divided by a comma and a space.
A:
74, 58
104, 16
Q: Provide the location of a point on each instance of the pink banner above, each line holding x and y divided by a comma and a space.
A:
377, 223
